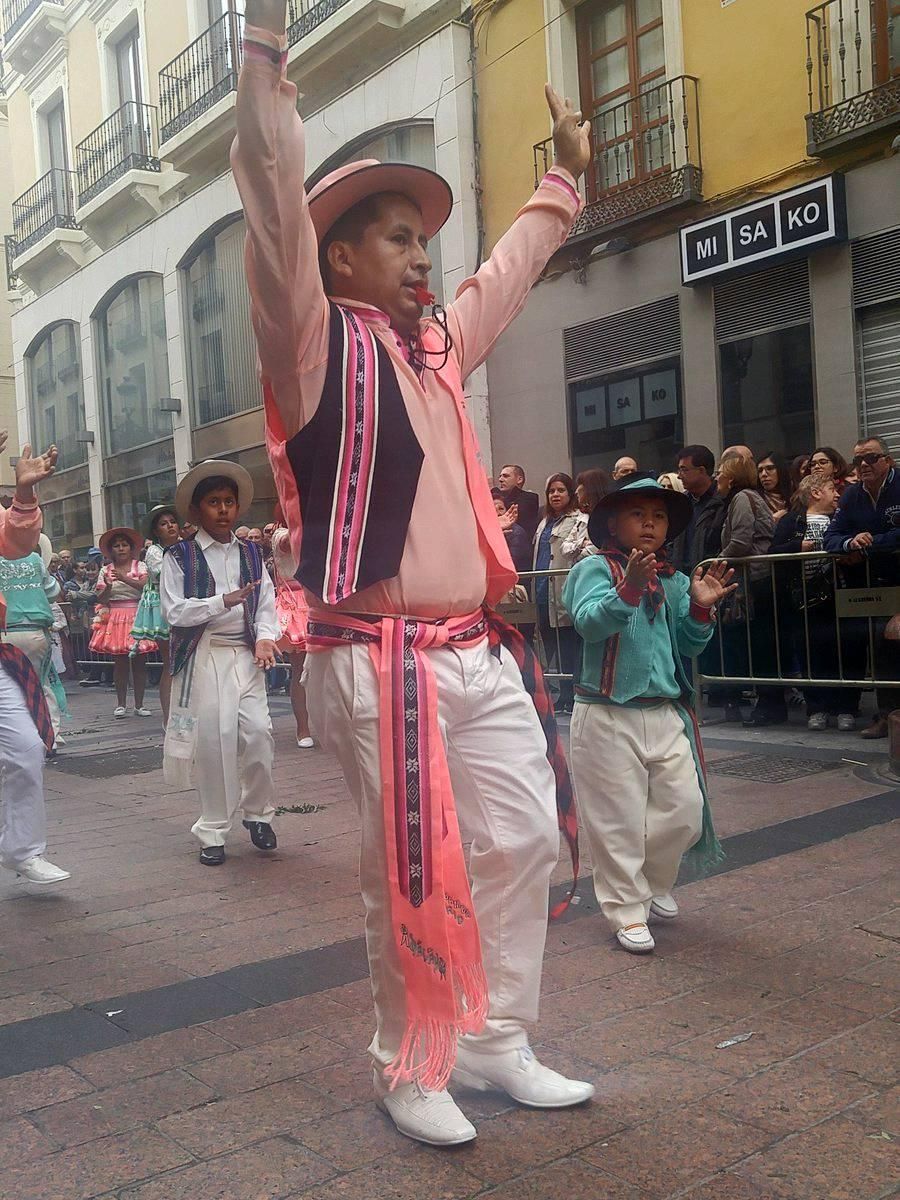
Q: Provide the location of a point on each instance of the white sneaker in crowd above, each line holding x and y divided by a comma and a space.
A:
143, 712
665, 907
817, 722
39, 870
120, 712
520, 1075
846, 722
636, 939
305, 743
430, 1117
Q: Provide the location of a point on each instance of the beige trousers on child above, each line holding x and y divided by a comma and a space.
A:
235, 751
506, 803
639, 802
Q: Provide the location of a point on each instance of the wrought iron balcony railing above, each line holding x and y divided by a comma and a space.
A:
9, 245
853, 70
201, 75
48, 205
125, 141
646, 155
17, 12
305, 15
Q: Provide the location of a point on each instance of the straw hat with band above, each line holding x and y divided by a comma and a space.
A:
678, 504
155, 513
136, 539
184, 495
344, 188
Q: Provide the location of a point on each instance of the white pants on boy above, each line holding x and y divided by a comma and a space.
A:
23, 821
639, 802
235, 751
505, 797
36, 645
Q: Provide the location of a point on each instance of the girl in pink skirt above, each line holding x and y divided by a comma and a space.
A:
119, 587
292, 610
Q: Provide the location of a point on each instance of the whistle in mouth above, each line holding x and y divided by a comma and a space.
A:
423, 296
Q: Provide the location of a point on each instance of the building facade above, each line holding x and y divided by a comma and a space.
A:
131, 340
757, 134
7, 375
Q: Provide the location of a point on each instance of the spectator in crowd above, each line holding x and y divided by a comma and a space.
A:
774, 483
867, 522
561, 518
516, 538
810, 599
827, 463
242, 532
255, 535
590, 488
671, 481
739, 452
188, 531
54, 566
746, 531
67, 563
703, 537
511, 483
798, 470
624, 466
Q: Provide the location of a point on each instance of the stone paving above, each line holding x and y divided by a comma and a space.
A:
800, 949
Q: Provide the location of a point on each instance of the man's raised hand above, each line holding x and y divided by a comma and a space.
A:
32, 470
571, 135
267, 14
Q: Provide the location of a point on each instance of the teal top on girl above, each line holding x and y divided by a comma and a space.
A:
29, 589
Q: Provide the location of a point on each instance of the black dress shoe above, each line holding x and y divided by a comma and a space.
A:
212, 856
261, 835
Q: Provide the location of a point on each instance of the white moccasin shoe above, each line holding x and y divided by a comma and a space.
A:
521, 1076
430, 1117
39, 870
636, 939
665, 907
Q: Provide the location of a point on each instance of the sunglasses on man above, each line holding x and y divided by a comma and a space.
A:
869, 459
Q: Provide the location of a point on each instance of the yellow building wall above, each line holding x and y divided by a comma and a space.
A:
167, 33
750, 59
512, 112
85, 101
23, 152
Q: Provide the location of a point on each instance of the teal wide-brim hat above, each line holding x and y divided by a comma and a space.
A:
678, 504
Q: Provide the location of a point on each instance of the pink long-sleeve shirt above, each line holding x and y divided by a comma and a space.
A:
20, 527
444, 570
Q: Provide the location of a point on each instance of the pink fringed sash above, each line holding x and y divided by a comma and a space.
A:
431, 904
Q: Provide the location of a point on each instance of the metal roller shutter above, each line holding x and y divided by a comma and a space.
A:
776, 298
876, 268
879, 372
623, 339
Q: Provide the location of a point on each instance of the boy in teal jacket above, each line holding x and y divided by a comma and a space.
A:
635, 754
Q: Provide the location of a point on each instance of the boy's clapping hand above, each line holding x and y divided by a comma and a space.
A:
640, 570
711, 586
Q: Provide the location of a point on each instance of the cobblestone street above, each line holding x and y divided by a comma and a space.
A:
170, 1031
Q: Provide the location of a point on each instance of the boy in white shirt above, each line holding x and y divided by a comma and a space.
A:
219, 601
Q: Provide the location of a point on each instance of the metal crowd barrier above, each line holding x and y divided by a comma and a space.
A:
786, 625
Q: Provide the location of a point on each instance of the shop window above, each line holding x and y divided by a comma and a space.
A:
223, 375
634, 412
768, 398
55, 394
67, 522
129, 503
134, 366
621, 64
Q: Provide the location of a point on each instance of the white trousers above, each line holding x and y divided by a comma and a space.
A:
639, 802
235, 751
506, 803
23, 820
37, 646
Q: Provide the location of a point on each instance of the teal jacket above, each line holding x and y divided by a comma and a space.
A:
622, 647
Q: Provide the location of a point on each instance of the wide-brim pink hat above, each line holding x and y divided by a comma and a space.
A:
344, 188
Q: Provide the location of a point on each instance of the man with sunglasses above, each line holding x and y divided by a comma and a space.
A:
867, 522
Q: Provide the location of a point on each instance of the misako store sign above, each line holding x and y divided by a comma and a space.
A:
769, 230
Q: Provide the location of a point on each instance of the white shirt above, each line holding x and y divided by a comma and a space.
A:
225, 564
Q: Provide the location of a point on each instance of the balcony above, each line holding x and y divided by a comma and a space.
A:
30, 29
196, 97
646, 157
318, 46
49, 241
853, 69
119, 173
